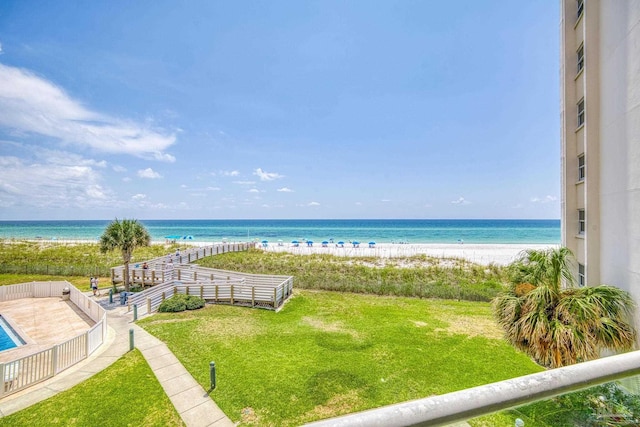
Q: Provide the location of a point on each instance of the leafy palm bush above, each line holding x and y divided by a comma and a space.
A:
556, 323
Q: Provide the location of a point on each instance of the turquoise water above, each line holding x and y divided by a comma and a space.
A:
381, 231
8, 338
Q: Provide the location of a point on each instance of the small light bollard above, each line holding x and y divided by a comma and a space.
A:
519, 422
212, 375
135, 312
110, 296
130, 339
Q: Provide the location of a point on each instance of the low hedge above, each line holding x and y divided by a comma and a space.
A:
181, 303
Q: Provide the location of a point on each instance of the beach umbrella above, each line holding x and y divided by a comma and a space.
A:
356, 243
341, 242
265, 241
324, 242
295, 242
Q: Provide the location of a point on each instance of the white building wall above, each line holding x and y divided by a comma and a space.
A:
620, 145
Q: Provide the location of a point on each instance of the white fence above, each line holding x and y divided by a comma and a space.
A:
21, 373
157, 269
233, 291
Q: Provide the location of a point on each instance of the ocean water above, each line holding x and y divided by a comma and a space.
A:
366, 230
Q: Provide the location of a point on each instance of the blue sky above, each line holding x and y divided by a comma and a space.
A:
279, 109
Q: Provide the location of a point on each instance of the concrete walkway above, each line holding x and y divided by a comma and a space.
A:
191, 401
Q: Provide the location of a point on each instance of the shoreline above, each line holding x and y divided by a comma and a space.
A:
479, 253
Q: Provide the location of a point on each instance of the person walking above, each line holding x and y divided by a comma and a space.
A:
94, 286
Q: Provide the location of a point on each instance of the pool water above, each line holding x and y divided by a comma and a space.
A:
8, 337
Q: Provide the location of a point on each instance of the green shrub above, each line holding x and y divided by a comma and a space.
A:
193, 302
181, 303
172, 305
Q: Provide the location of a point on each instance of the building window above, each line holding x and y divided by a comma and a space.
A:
580, 58
581, 168
582, 226
581, 112
582, 279
580, 8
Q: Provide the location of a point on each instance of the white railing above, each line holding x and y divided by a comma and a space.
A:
473, 402
230, 290
21, 373
156, 271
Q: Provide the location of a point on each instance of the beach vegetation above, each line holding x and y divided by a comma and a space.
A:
127, 393
329, 353
125, 235
419, 276
545, 315
26, 261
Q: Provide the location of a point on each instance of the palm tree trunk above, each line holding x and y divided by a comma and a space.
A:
126, 276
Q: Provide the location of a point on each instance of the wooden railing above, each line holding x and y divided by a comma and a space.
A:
21, 373
157, 270
213, 285
233, 291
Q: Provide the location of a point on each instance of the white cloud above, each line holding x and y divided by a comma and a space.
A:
119, 169
43, 185
213, 188
30, 104
313, 204
149, 174
1, 52
226, 173
266, 176
385, 200
285, 190
139, 196
244, 182
461, 201
546, 199
126, 179
254, 190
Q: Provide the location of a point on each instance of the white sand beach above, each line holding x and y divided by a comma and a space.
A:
484, 254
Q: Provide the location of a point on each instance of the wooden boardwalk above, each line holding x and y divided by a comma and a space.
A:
173, 274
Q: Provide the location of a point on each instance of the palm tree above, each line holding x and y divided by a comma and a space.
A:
125, 235
557, 324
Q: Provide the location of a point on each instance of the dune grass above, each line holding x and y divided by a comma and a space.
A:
329, 353
125, 394
418, 276
65, 259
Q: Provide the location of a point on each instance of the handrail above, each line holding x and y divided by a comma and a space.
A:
34, 368
486, 399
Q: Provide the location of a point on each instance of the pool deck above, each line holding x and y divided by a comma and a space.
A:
191, 401
42, 322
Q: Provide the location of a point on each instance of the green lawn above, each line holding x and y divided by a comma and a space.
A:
326, 354
125, 394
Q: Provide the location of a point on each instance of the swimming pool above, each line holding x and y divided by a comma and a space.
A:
8, 337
